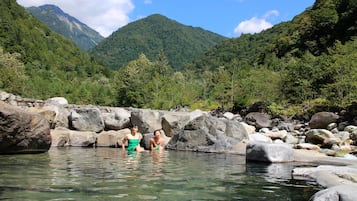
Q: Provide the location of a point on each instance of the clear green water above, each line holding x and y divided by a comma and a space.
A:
107, 174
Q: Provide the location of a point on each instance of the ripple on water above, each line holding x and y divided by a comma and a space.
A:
106, 174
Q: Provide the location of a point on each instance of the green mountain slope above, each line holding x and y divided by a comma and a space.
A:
58, 21
311, 57
314, 30
53, 65
152, 35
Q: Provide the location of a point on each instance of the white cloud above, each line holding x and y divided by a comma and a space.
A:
271, 13
104, 16
147, 1
255, 24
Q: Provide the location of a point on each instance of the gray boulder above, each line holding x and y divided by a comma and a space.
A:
116, 118
147, 120
22, 132
322, 120
269, 152
209, 134
86, 119
173, 122
111, 138
259, 120
65, 137
337, 193
322, 137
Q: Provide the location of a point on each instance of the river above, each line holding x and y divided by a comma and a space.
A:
109, 174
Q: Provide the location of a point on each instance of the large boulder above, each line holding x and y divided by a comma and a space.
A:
269, 152
173, 122
337, 193
209, 134
322, 137
22, 132
65, 137
259, 120
111, 138
147, 120
116, 118
49, 115
321, 120
86, 119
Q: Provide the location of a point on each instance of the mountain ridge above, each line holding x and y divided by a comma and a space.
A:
70, 27
152, 35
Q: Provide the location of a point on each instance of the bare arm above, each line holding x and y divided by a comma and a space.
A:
123, 142
152, 144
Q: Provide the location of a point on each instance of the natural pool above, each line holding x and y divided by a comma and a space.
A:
108, 174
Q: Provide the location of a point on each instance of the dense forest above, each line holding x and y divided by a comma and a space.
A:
39, 63
152, 35
309, 60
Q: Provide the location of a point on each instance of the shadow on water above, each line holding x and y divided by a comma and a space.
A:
110, 174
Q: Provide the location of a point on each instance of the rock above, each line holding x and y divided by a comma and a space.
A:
276, 135
321, 120
4, 95
228, 115
331, 126
59, 118
86, 119
269, 152
56, 101
350, 128
60, 137
173, 122
82, 138
290, 139
49, 115
260, 106
337, 193
258, 137
307, 146
111, 138
209, 134
65, 137
147, 120
195, 114
259, 120
323, 137
22, 132
116, 119
328, 152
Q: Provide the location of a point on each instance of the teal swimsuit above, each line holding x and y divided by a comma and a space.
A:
157, 146
132, 143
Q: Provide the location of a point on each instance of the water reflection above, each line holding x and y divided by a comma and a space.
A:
110, 174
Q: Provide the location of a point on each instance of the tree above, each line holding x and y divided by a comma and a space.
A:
12, 73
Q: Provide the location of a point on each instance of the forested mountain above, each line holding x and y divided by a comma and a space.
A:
38, 63
309, 60
152, 35
58, 21
312, 57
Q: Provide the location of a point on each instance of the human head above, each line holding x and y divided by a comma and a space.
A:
134, 129
157, 133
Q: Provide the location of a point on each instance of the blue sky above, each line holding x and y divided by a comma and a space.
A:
229, 18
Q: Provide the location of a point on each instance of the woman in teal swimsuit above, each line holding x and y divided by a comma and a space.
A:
133, 139
157, 143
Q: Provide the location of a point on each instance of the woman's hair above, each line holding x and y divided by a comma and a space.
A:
156, 131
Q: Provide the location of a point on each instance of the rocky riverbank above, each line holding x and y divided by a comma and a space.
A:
256, 135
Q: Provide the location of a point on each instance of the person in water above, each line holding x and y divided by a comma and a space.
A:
133, 139
157, 143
